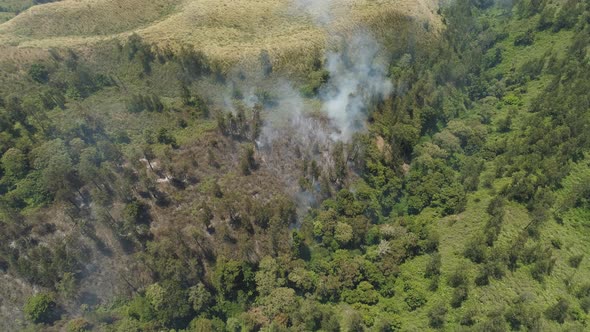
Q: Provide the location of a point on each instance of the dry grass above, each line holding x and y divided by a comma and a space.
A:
86, 18
228, 31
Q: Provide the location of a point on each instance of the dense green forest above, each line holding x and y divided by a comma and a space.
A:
132, 201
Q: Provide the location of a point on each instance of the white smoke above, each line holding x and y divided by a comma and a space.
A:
357, 76
357, 79
319, 10
297, 129
291, 121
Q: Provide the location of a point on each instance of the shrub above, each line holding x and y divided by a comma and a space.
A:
437, 316
533, 68
458, 278
585, 304
559, 311
460, 294
39, 73
41, 308
493, 59
546, 19
433, 266
525, 39
164, 137
78, 325
521, 314
567, 16
247, 161
475, 250
468, 318
575, 260
415, 300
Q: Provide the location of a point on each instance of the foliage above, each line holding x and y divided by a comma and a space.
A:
41, 308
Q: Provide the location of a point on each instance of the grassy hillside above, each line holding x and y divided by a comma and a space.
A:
91, 18
225, 30
175, 170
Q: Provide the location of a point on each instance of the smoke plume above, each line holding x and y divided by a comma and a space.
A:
300, 131
357, 80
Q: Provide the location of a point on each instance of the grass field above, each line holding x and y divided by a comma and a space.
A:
227, 30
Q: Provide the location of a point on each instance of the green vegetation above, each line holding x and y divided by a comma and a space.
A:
135, 203
41, 308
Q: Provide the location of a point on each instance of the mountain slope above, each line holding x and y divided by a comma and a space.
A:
225, 30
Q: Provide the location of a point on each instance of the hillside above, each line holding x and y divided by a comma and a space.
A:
227, 30
300, 165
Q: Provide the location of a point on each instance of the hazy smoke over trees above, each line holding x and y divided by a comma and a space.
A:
357, 78
299, 130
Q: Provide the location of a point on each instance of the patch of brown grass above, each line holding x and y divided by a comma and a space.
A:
229, 31
86, 18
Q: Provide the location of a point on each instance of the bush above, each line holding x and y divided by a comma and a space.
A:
585, 304
492, 269
41, 308
78, 325
247, 161
433, 266
546, 19
494, 323
475, 250
559, 311
415, 300
567, 16
437, 316
460, 294
468, 318
458, 278
483, 4
139, 103
525, 39
575, 260
433, 286
542, 267
164, 137
39, 73
533, 68
521, 314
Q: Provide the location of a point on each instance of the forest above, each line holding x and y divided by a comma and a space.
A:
146, 187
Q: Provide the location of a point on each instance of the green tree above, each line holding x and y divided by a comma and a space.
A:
364, 293
343, 233
14, 163
53, 160
200, 298
170, 303
268, 276
228, 274
281, 300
